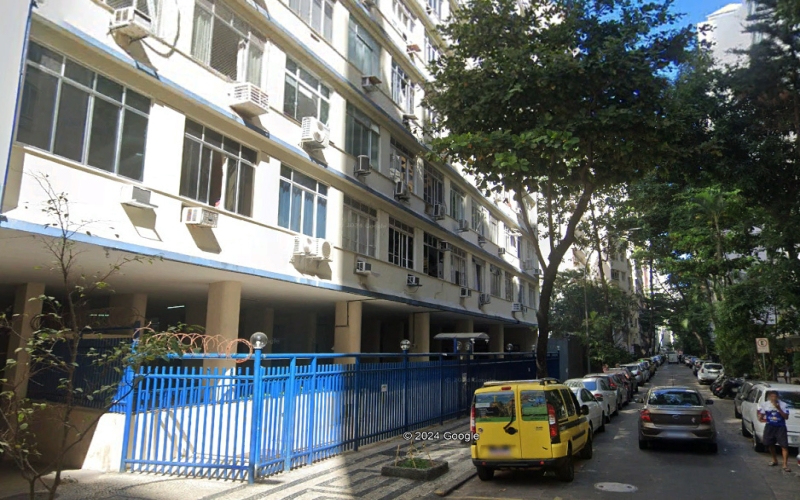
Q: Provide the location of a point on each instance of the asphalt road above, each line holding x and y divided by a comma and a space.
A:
673, 472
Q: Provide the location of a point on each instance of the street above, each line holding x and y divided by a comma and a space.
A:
664, 473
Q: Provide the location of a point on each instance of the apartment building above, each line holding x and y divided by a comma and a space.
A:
269, 158
725, 31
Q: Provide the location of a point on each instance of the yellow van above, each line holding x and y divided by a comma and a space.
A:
528, 424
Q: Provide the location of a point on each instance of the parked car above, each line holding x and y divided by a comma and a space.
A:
726, 386
676, 414
628, 373
697, 364
741, 395
600, 389
597, 414
650, 366
709, 372
638, 373
752, 428
615, 384
535, 425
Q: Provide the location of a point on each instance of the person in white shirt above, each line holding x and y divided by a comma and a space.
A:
774, 413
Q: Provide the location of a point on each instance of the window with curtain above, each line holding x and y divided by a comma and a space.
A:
363, 51
73, 112
458, 266
402, 164
402, 89
512, 242
358, 233
531, 296
492, 236
362, 137
521, 296
304, 94
217, 170
316, 13
433, 188
225, 42
496, 277
478, 215
433, 256
401, 244
457, 202
509, 282
302, 203
479, 266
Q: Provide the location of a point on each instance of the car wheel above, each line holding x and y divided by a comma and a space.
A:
643, 444
736, 412
745, 432
603, 425
616, 411
713, 448
588, 451
485, 473
757, 445
566, 473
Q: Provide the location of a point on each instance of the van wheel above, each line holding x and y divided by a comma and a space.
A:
566, 473
745, 432
485, 473
587, 451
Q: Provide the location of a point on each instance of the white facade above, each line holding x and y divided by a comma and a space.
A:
106, 110
724, 29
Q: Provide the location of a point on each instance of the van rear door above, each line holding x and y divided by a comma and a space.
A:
496, 421
535, 425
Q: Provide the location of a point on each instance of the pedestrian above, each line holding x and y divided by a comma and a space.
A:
774, 413
605, 368
787, 373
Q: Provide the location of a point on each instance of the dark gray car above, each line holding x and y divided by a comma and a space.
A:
676, 414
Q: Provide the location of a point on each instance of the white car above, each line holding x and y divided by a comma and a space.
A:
751, 427
601, 390
709, 372
597, 415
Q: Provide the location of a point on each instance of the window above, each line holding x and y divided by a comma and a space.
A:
304, 94
567, 395
479, 267
457, 203
362, 137
458, 266
316, 13
360, 221
495, 277
521, 294
431, 51
509, 282
302, 203
531, 296
477, 217
401, 244
433, 186
402, 89
554, 399
530, 251
225, 42
432, 256
77, 114
492, 236
363, 51
533, 406
216, 170
512, 242
435, 7
402, 165
403, 20
615, 274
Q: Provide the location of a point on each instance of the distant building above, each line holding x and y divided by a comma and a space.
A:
725, 30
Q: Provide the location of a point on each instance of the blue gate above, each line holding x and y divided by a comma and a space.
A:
294, 410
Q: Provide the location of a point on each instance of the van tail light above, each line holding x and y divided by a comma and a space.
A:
645, 416
705, 417
553, 421
472, 420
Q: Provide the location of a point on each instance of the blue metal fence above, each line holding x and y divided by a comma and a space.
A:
247, 423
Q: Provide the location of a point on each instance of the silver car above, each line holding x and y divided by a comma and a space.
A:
676, 414
602, 391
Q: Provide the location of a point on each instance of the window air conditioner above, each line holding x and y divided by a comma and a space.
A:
401, 190
315, 134
362, 166
364, 268
445, 246
516, 307
463, 225
537, 272
321, 249
134, 196
465, 292
131, 22
501, 251
412, 280
527, 265
196, 216
484, 299
248, 99
370, 82
439, 211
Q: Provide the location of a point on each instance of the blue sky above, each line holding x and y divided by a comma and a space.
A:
697, 10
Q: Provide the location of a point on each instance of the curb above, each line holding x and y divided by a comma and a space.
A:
455, 484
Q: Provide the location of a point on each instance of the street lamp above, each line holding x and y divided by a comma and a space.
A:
259, 340
405, 345
509, 347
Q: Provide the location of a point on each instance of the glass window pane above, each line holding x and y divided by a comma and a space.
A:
306, 103
305, 181
255, 57
78, 73
322, 216
103, 140
363, 235
297, 207
249, 155
310, 80
213, 138
137, 101
37, 108
45, 57
109, 88
324, 110
308, 213
190, 168
225, 49
231, 181
131, 151
72, 111
284, 204
215, 188
291, 66
194, 129
205, 176
286, 172
322, 189
245, 190
230, 146
290, 97
316, 15
327, 30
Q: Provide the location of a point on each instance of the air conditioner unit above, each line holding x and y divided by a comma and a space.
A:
412, 280
248, 99
516, 307
484, 299
363, 166
501, 251
438, 211
401, 190
463, 225
465, 292
527, 265
413, 48
537, 272
370, 82
445, 246
134, 196
196, 216
364, 268
315, 134
304, 245
321, 249
131, 22
481, 240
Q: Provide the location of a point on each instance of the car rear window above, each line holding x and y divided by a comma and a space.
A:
494, 406
792, 399
533, 404
712, 366
590, 384
674, 398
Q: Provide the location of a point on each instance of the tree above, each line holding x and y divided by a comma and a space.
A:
55, 349
559, 98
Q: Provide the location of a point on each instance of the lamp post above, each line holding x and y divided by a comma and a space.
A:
258, 340
405, 345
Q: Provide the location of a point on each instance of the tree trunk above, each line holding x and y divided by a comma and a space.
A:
598, 247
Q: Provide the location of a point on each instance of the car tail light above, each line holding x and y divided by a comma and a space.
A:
599, 396
472, 420
645, 416
553, 421
613, 385
705, 417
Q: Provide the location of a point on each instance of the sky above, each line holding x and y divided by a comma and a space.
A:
697, 10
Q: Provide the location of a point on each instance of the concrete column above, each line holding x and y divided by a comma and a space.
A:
222, 316
497, 338
25, 310
464, 326
195, 317
309, 332
128, 309
421, 338
347, 333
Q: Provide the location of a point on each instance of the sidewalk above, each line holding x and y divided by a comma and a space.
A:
349, 476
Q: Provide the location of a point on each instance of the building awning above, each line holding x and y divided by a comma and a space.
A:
468, 336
